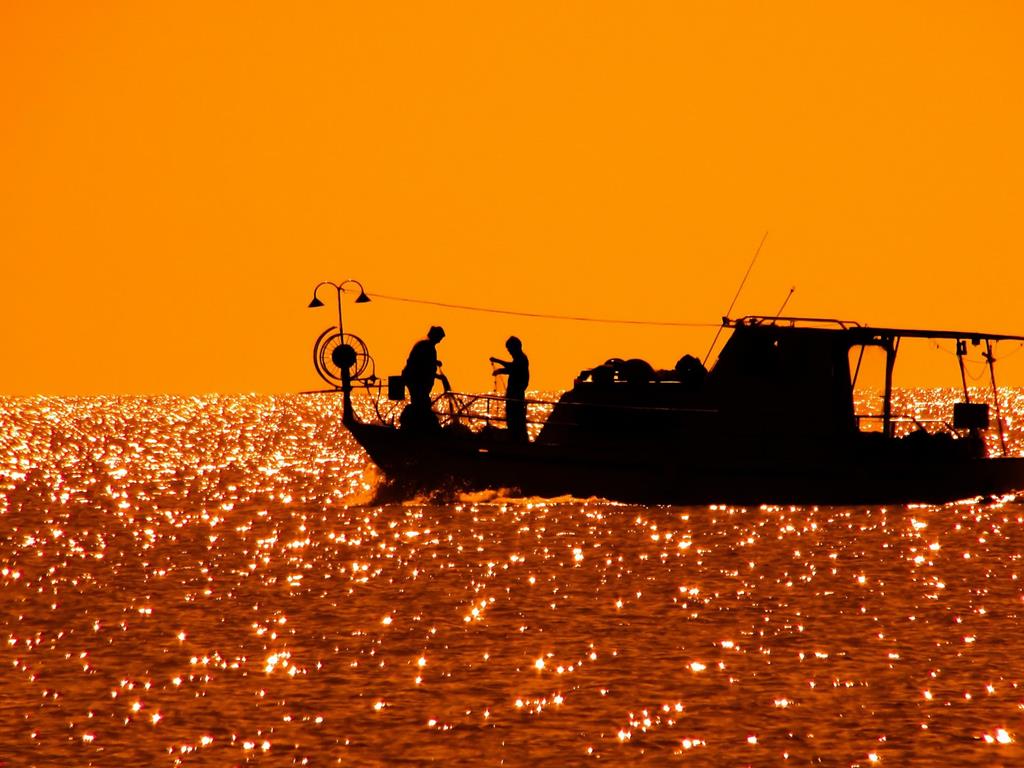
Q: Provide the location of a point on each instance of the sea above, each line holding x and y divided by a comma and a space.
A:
211, 581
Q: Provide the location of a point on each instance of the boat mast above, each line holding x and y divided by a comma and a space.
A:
892, 345
995, 392
961, 350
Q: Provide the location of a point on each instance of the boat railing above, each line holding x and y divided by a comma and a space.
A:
452, 407
613, 406
860, 417
792, 322
456, 406
904, 425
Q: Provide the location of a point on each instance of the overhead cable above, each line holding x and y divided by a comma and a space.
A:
542, 315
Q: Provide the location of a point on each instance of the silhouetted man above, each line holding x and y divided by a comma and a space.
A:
518, 371
419, 374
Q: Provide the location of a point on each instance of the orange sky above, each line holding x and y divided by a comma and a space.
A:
177, 176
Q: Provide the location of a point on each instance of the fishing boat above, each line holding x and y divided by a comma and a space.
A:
773, 421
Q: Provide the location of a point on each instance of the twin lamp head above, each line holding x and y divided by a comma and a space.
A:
362, 298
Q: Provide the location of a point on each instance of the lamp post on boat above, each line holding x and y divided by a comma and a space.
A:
344, 352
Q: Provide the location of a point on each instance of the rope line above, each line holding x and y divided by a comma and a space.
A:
542, 315
978, 365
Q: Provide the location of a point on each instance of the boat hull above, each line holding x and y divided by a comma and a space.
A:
465, 461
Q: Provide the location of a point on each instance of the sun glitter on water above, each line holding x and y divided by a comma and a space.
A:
200, 579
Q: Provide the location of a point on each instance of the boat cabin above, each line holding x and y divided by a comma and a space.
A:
780, 384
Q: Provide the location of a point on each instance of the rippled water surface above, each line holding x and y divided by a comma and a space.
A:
206, 581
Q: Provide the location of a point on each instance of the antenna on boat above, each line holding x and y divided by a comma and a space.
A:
784, 303
728, 312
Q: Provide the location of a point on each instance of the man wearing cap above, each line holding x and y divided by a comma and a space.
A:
419, 374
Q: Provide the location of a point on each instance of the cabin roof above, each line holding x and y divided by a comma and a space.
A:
857, 331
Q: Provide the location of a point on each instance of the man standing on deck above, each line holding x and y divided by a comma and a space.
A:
518, 371
419, 374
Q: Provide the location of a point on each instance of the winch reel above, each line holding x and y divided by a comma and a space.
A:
333, 353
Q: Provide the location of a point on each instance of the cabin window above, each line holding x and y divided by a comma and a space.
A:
867, 377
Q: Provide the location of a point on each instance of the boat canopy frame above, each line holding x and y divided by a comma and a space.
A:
889, 340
